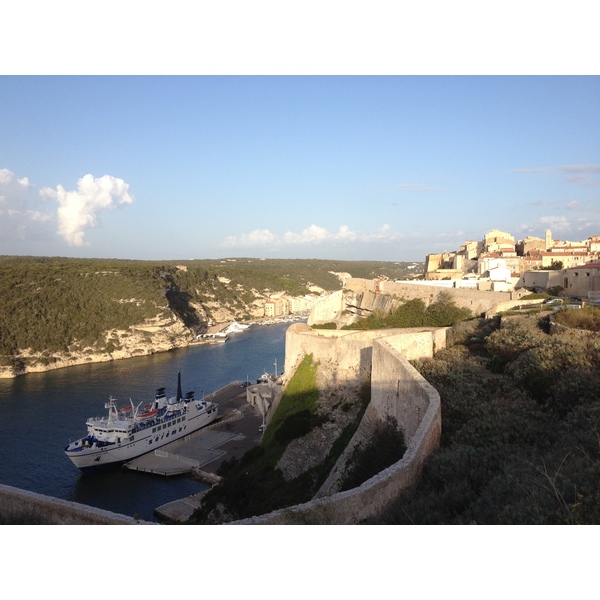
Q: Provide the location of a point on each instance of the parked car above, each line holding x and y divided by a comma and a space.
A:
553, 301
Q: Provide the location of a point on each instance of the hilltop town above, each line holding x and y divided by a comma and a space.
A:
499, 263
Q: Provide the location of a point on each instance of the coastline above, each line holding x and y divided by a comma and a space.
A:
134, 348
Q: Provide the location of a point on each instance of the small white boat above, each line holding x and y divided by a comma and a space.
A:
235, 327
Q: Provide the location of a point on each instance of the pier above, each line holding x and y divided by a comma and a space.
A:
202, 452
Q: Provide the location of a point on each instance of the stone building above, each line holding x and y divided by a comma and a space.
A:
276, 307
528, 254
568, 259
582, 281
499, 241
540, 279
531, 244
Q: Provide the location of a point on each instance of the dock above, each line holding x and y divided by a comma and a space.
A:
202, 452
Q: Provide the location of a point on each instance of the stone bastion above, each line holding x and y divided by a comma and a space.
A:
397, 390
362, 297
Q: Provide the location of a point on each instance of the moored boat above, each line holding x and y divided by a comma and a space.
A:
131, 431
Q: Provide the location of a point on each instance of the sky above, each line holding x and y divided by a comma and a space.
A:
338, 165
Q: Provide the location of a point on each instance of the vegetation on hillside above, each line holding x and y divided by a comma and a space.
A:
254, 485
292, 275
52, 305
442, 312
385, 448
587, 318
49, 304
521, 429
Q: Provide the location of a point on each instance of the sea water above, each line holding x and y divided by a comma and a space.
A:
41, 412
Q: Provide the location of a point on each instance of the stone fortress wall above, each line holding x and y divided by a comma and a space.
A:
17, 504
361, 297
397, 390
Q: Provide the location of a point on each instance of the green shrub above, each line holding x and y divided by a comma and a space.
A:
325, 326
385, 448
587, 318
512, 339
443, 312
520, 445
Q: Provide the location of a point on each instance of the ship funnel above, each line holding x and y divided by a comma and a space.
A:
179, 394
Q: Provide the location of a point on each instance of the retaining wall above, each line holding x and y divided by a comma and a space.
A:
558, 328
361, 297
22, 506
398, 390
350, 351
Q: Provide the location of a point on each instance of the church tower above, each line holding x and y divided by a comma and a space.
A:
548, 240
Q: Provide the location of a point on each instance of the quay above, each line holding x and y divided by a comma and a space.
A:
202, 452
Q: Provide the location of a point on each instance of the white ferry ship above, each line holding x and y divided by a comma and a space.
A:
129, 432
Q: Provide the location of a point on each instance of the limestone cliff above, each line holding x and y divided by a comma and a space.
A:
157, 335
60, 312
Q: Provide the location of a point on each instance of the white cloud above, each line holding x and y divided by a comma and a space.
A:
17, 220
557, 223
78, 210
584, 175
13, 191
258, 237
312, 235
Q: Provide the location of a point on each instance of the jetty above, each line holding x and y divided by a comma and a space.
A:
201, 453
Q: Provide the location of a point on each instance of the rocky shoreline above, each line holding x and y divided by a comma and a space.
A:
137, 341
134, 342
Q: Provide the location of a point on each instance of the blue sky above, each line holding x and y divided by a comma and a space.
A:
345, 167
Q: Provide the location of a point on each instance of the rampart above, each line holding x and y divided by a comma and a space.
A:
361, 297
23, 506
349, 352
397, 390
